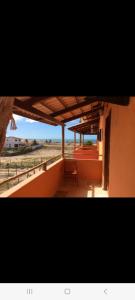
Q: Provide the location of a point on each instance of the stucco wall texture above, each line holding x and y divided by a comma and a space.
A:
86, 153
88, 169
122, 151
43, 185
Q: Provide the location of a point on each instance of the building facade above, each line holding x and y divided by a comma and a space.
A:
14, 142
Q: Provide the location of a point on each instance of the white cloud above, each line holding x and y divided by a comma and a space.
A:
30, 121
18, 118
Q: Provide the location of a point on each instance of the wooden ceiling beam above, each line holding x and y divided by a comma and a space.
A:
118, 100
89, 117
92, 123
46, 106
84, 114
36, 118
77, 101
87, 131
86, 124
83, 131
60, 100
73, 107
74, 128
33, 100
91, 133
35, 111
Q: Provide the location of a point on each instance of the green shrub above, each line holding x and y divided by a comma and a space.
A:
34, 143
90, 143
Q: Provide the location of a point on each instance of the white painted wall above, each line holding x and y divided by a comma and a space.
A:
11, 142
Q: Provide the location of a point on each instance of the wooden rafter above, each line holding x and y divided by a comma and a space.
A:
73, 107
44, 105
37, 118
47, 106
118, 100
26, 107
33, 100
84, 114
90, 117
60, 100
77, 101
35, 111
84, 125
87, 130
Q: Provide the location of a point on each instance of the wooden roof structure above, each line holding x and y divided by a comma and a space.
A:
58, 110
88, 127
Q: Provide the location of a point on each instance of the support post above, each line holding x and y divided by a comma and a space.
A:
63, 140
83, 139
74, 140
80, 139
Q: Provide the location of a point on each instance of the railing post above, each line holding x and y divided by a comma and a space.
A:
44, 166
34, 166
27, 173
16, 169
8, 170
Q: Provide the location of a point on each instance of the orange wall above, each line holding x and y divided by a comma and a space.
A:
102, 125
43, 185
86, 153
90, 170
122, 151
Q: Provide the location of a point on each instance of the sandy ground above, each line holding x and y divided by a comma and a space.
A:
34, 157
37, 154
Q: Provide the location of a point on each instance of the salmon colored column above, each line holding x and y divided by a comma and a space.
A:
83, 139
80, 139
74, 140
63, 140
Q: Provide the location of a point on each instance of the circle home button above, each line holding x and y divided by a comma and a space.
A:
67, 291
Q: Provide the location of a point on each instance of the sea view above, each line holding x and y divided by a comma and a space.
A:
15, 163
93, 139
69, 145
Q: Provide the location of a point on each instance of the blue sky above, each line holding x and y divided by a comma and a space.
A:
27, 128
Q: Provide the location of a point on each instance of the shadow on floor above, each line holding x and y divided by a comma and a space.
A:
85, 189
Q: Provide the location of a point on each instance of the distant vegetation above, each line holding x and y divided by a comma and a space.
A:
19, 151
90, 143
35, 143
24, 163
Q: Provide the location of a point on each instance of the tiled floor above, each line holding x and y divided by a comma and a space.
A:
83, 189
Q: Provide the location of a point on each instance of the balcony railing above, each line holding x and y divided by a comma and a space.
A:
48, 182
12, 181
79, 155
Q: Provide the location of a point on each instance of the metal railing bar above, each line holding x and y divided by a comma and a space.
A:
43, 164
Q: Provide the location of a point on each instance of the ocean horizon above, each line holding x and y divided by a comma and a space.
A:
66, 140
